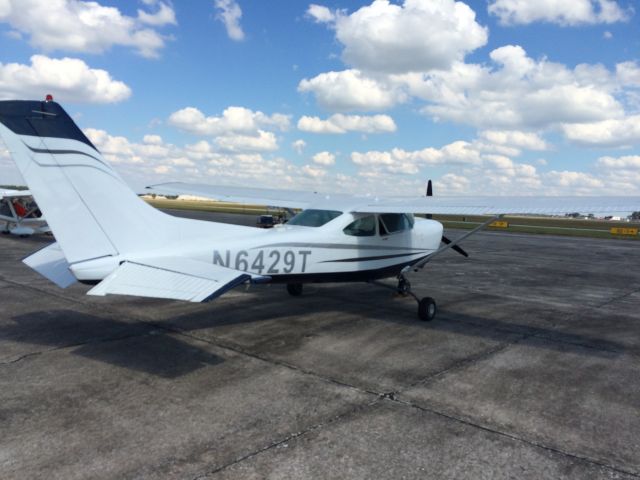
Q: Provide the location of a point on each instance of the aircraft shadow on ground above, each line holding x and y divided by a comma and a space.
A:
262, 307
138, 346
129, 345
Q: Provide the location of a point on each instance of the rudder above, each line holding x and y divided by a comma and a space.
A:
92, 212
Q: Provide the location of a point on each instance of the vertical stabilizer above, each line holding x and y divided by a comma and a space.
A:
90, 209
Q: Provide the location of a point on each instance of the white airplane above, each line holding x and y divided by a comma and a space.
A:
107, 236
20, 214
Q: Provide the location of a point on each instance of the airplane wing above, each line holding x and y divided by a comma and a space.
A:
175, 278
257, 196
482, 205
467, 205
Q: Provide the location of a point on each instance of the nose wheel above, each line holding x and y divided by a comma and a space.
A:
427, 308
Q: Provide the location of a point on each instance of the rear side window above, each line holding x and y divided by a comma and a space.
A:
363, 227
394, 222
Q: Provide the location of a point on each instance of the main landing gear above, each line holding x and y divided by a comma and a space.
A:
426, 306
294, 289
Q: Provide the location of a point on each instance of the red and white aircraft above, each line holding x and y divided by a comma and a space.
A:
20, 214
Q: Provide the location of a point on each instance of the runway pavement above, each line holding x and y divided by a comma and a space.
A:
531, 370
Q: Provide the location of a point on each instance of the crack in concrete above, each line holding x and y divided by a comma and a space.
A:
517, 438
289, 438
22, 357
617, 298
461, 364
380, 396
238, 349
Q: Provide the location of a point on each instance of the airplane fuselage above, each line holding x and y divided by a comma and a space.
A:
295, 253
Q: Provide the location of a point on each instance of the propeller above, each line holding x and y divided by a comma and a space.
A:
429, 194
457, 248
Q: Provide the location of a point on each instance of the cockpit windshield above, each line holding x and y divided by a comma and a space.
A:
314, 218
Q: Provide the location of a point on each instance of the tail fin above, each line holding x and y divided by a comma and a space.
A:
90, 209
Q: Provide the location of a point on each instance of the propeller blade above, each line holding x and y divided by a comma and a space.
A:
457, 248
429, 194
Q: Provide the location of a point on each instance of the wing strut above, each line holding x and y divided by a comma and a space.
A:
417, 266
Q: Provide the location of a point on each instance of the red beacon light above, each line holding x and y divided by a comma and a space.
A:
49, 98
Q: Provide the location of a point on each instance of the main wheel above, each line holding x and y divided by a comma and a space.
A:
294, 289
427, 309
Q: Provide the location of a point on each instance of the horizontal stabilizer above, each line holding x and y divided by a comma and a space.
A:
172, 277
51, 263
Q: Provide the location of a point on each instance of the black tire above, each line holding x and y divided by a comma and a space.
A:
294, 289
427, 309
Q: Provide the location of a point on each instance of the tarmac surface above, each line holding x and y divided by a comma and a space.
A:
531, 370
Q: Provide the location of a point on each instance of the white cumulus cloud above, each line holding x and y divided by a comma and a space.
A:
299, 146
324, 158
229, 13
314, 171
622, 132
233, 120
340, 123
164, 16
627, 162
418, 35
562, 12
515, 138
518, 92
68, 79
85, 26
398, 160
262, 142
320, 14
351, 90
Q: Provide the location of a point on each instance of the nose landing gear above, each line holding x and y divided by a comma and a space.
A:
427, 308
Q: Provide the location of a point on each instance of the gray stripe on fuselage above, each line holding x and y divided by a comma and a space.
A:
371, 259
338, 246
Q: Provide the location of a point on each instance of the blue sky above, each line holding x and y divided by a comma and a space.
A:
493, 97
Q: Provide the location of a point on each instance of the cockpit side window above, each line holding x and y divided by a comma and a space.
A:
395, 222
363, 227
383, 229
314, 218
